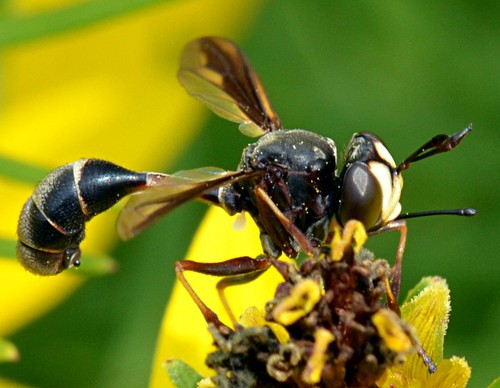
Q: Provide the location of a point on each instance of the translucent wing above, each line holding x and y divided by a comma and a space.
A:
167, 193
216, 72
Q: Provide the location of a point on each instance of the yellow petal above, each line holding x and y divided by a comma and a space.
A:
428, 313
427, 310
454, 372
396, 378
29, 296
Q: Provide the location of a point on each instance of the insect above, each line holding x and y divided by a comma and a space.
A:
288, 181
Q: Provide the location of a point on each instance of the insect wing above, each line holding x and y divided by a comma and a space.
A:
166, 194
216, 72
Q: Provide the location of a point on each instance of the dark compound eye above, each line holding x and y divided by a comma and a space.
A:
361, 196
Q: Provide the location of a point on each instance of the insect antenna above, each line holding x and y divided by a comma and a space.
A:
437, 145
467, 212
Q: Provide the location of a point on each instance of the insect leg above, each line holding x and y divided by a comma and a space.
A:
244, 268
393, 287
399, 225
265, 201
237, 280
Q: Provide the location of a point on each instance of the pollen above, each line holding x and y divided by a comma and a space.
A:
390, 328
315, 364
343, 238
301, 301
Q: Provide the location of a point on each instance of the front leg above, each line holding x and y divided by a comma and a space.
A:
398, 225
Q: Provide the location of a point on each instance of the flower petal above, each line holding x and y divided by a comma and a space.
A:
428, 313
427, 309
454, 372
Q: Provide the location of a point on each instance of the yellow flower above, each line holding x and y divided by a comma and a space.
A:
426, 310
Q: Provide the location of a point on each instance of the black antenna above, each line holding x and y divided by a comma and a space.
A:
437, 145
467, 212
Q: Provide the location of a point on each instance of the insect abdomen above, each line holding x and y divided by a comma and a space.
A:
52, 222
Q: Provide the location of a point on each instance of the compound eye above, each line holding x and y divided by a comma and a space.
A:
360, 196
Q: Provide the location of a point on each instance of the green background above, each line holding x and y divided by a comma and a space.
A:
404, 70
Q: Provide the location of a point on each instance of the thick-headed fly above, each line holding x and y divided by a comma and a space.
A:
288, 181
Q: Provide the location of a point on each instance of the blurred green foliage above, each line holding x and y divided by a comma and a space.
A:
404, 70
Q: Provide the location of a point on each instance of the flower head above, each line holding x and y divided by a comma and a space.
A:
338, 330
328, 325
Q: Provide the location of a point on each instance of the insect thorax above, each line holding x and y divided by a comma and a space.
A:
298, 175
